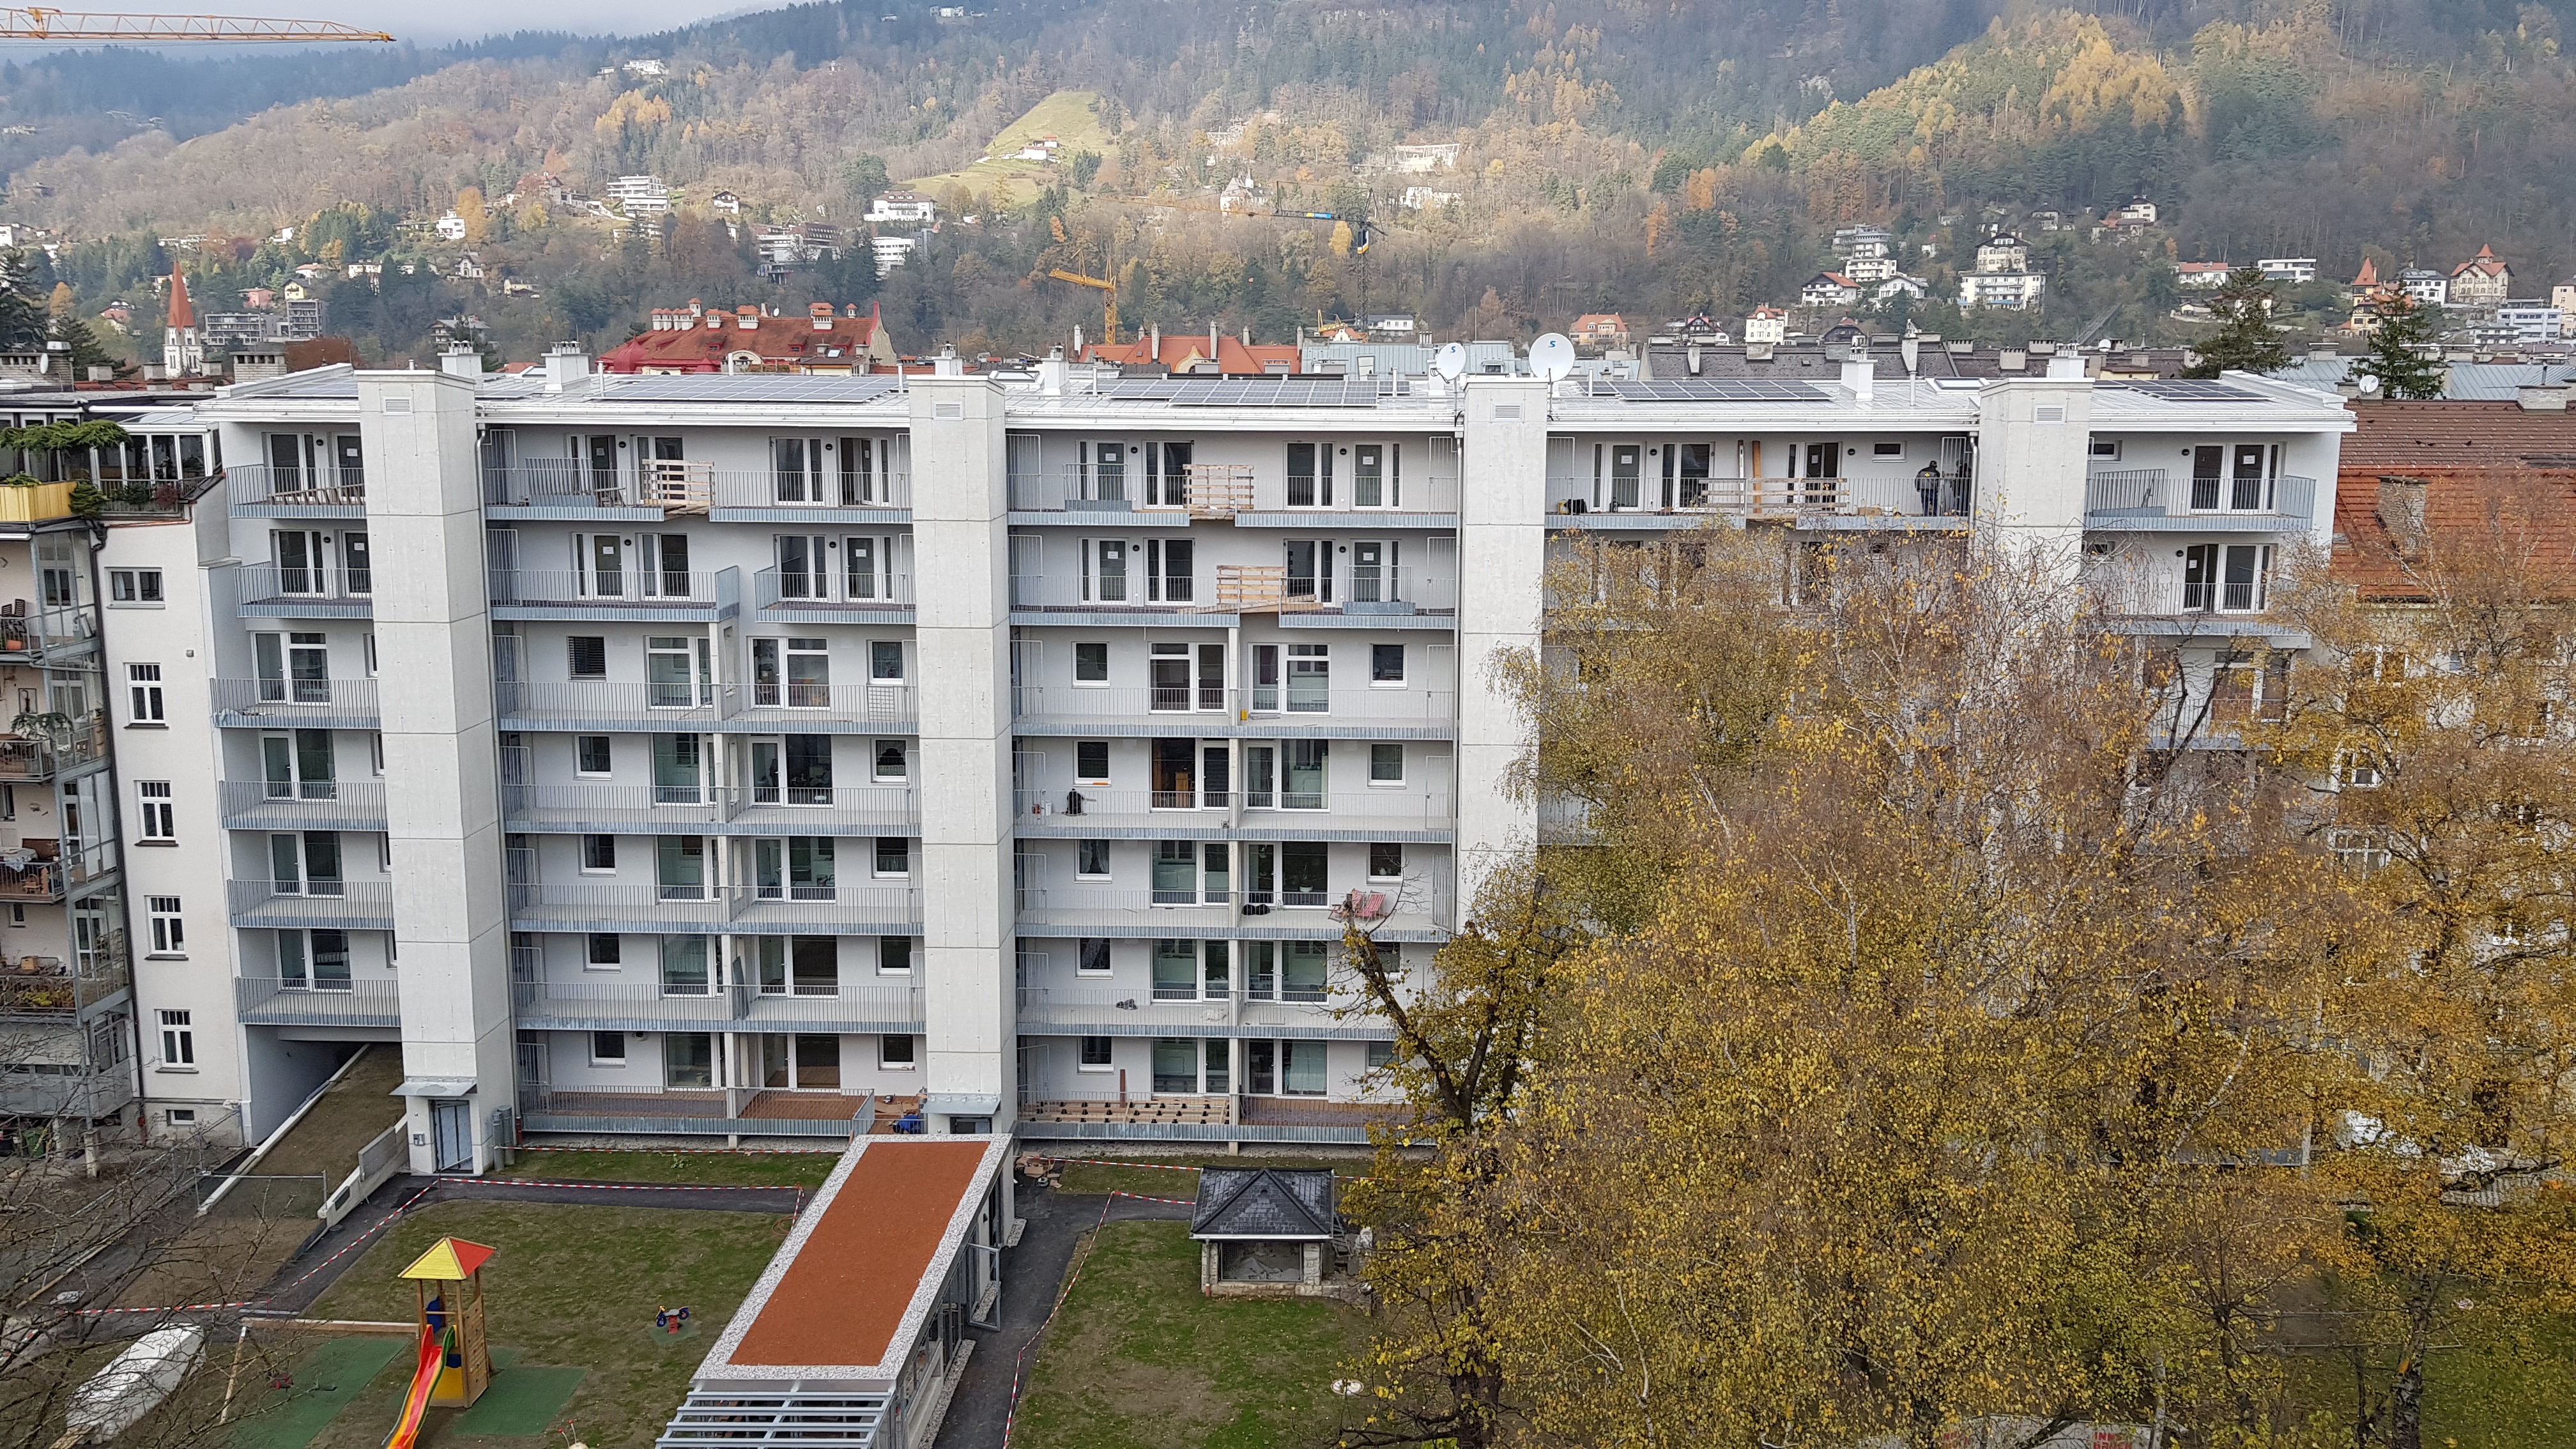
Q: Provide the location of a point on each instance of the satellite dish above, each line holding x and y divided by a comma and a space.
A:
2367, 382
1551, 356
1451, 361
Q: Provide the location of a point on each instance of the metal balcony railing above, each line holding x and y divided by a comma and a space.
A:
1948, 495
1072, 805
304, 804
41, 757
783, 589
316, 1001
661, 808
291, 702
756, 488
656, 906
1148, 1009
28, 636
1303, 699
669, 706
273, 584
2286, 499
678, 486
1227, 588
355, 904
265, 484
651, 1005
617, 588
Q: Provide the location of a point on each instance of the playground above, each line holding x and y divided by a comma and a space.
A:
564, 1304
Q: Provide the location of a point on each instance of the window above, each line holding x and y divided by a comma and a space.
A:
1091, 859
2106, 450
598, 854
2358, 770
294, 667
135, 588
1305, 782
169, 930
885, 661
2358, 851
1301, 1066
894, 855
1094, 957
1092, 1054
1310, 678
1168, 570
1303, 866
2226, 578
668, 680
608, 1048
894, 955
1091, 762
1386, 763
1381, 1054
1887, 450
586, 656
688, 1059
1103, 566
1091, 663
1176, 1064
181, 1116
890, 760
684, 966
794, 673
1310, 475
894, 1053
1386, 861
592, 755
143, 686
603, 951
178, 1040
1386, 664
160, 823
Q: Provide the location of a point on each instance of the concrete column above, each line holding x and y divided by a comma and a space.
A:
961, 543
1502, 553
434, 649
2033, 437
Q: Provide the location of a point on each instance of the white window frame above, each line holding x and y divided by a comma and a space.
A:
1108, 1054
583, 774
178, 1039
584, 846
166, 928
1399, 781
1404, 677
136, 589
876, 758
156, 805
623, 1056
1107, 770
144, 701
591, 963
1079, 850
911, 1052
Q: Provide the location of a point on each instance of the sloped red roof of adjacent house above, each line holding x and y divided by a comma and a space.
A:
1184, 352
2478, 464
2368, 276
823, 343
2486, 261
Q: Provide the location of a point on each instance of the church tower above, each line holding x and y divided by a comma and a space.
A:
183, 352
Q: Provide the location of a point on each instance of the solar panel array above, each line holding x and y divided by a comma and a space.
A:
758, 387
2188, 390
1719, 389
1248, 392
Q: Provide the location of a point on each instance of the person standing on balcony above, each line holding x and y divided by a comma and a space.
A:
1927, 484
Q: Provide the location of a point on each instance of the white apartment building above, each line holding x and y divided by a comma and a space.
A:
715, 755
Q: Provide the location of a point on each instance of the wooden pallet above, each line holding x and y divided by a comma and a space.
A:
1256, 589
1220, 490
1168, 1111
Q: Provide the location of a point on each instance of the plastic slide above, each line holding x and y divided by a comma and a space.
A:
424, 1377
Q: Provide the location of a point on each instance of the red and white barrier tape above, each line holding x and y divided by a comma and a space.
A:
176, 1308
627, 1186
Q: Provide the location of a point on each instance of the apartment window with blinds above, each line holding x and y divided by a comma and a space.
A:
143, 692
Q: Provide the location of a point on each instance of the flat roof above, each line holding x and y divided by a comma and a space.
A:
847, 1293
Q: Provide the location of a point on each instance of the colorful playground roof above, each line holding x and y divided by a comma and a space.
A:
450, 1260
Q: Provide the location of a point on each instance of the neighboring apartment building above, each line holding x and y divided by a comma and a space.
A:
712, 755
2002, 277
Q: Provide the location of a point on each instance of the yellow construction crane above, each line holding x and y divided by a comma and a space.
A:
73, 25
1109, 328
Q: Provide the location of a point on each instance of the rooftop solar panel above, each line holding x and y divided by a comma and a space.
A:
1713, 389
1247, 392
2187, 390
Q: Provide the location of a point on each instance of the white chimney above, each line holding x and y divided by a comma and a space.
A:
462, 362
565, 364
2066, 367
948, 363
1052, 373
1860, 375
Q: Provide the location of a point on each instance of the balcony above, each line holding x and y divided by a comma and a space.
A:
767, 496
348, 905
1306, 707
856, 910
1209, 491
48, 1090
27, 638
303, 804
646, 594
651, 1006
2149, 500
666, 809
51, 986
26, 760
343, 704
1394, 913
271, 591
1379, 595
817, 598
38, 869
272, 1001
259, 490
1115, 1011
1833, 503
1079, 813
570, 487
600, 704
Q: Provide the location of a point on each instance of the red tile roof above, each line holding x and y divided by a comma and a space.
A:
1182, 351
2413, 437
2532, 511
181, 314
790, 341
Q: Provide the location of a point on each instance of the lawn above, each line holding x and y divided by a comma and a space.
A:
573, 1288
1138, 1359
1160, 1181
1072, 117
704, 1169
356, 1111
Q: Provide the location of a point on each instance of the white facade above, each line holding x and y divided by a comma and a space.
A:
709, 755
2293, 270
890, 252
2015, 290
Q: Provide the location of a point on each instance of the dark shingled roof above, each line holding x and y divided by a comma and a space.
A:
1263, 1202
2443, 435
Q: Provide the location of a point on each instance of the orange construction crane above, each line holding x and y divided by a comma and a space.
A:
74, 25
1109, 329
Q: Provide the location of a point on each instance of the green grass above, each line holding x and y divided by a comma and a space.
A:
1160, 1182
706, 1169
1072, 117
326, 1379
572, 1287
1139, 1360
356, 1111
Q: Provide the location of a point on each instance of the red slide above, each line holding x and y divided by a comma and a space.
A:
424, 1377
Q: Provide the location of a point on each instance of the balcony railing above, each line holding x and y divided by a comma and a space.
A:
1304, 911
354, 904
1399, 589
28, 636
316, 1001
666, 706
755, 488
1072, 806
1302, 700
309, 702
1140, 1011
617, 588
261, 484
304, 804
47, 870
48, 986
653, 907
661, 808
652, 1006
2285, 501
677, 486
68, 1092
1948, 495
273, 584
780, 589
42, 757
1209, 490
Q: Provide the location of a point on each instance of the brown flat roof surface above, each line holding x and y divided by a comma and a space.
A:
844, 1296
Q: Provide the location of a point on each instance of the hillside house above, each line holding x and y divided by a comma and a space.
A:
905, 207
2200, 276
641, 195
1829, 289
1600, 329
890, 252
450, 227
1423, 198
259, 299
1766, 324
2425, 287
2003, 252
2137, 211
2293, 270
725, 203
1198, 354
2481, 281
1899, 284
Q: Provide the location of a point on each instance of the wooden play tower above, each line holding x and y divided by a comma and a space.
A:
449, 1278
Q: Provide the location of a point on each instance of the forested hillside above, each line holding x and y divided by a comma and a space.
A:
1653, 158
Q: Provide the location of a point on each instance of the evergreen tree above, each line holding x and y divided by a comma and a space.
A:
86, 351
2397, 357
2244, 341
